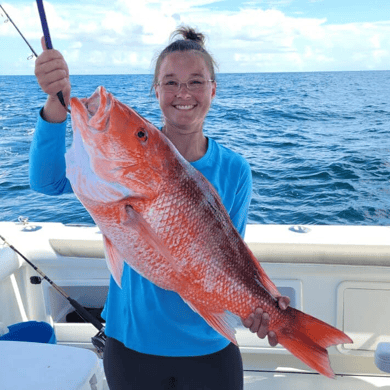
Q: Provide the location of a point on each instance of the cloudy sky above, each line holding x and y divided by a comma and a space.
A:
123, 36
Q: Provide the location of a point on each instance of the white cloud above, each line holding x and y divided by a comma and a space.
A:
76, 45
129, 58
271, 41
124, 36
18, 15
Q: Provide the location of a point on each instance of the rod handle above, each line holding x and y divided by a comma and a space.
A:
85, 314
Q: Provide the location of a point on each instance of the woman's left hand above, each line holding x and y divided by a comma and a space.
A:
258, 322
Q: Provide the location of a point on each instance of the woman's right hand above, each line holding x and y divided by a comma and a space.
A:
52, 73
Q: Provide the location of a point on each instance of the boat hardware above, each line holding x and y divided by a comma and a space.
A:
35, 280
23, 220
99, 339
26, 226
299, 229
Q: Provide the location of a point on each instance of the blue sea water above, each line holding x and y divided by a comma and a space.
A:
318, 143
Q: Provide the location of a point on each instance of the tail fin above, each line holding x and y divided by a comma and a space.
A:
307, 338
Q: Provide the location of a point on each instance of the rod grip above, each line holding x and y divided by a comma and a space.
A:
85, 314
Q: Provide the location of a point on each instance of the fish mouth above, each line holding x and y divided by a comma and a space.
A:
95, 110
92, 103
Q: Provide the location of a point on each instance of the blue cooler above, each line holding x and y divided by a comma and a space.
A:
32, 331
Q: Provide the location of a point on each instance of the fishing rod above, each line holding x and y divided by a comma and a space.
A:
99, 340
46, 33
25, 40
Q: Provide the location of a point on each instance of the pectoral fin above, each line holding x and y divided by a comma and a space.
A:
114, 261
224, 322
136, 221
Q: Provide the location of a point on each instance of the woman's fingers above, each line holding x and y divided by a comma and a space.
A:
52, 73
258, 322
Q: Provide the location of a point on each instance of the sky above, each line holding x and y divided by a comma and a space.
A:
125, 36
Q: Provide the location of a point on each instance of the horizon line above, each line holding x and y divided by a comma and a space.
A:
276, 72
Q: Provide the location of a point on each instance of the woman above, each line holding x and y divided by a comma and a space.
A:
155, 341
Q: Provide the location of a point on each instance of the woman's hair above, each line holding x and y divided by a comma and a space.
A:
191, 41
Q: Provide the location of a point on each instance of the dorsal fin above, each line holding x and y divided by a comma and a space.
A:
264, 279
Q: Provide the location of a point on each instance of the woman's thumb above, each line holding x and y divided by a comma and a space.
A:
43, 43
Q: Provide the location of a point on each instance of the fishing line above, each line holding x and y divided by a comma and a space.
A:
25, 40
46, 34
99, 340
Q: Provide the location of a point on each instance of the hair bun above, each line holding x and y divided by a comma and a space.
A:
185, 39
188, 33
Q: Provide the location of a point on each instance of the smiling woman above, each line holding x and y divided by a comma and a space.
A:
184, 82
184, 109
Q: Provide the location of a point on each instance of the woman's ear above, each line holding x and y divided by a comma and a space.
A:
214, 90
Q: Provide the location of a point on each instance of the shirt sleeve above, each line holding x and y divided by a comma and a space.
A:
47, 168
239, 211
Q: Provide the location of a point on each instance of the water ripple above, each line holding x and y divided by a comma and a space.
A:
318, 143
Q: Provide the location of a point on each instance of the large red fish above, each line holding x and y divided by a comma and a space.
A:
162, 217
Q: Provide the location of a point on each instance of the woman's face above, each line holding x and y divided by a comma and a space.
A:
184, 109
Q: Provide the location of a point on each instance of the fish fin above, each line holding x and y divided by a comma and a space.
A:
307, 338
223, 323
265, 280
114, 261
86, 184
137, 222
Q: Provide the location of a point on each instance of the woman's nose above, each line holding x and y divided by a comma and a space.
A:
183, 90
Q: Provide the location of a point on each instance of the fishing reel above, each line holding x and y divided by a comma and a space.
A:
99, 342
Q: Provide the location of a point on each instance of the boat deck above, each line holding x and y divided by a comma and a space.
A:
340, 274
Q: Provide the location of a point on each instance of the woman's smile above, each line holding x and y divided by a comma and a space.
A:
184, 107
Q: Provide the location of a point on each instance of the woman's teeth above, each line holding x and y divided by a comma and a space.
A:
184, 107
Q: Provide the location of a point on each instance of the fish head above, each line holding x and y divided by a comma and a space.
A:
122, 147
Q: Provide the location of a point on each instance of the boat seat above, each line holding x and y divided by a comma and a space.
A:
28, 365
382, 357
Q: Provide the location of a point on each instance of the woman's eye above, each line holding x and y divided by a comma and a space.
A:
195, 82
171, 82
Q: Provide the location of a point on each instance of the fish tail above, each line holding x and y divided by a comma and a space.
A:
307, 338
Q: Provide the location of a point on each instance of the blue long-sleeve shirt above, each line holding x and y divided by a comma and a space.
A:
141, 315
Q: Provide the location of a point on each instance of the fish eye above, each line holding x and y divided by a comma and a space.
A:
142, 134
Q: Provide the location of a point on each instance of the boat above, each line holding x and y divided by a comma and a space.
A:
339, 274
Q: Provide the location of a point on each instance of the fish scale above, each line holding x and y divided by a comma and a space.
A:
166, 221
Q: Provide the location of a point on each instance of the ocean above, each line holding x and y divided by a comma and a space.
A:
318, 143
